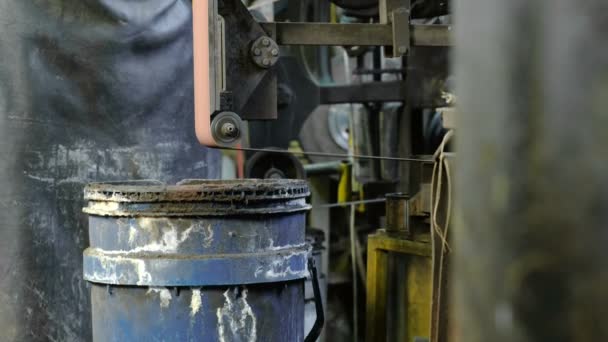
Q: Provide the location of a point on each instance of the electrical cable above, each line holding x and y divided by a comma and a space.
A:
346, 204
353, 252
328, 155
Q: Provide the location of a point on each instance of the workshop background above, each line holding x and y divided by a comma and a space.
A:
452, 154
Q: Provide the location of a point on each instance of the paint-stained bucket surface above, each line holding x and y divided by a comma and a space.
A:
198, 261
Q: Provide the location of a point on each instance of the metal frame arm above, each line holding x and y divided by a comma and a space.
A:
355, 34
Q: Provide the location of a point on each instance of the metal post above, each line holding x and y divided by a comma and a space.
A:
532, 179
398, 214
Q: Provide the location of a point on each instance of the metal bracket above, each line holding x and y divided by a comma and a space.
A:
401, 31
395, 32
355, 34
397, 13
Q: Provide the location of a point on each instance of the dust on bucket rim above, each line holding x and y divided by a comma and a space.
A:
197, 197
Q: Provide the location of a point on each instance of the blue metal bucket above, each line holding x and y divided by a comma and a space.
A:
199, 261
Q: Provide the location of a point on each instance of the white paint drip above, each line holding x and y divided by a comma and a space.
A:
132, 234
246, 312
200, 165
111, 275
71, 180
196, 302
272, 247
143, 276
273, 274
164, 295
103, 207
208, 240
281, 268
234, 316
169, 242
41, 179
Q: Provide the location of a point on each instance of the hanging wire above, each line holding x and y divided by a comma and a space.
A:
328, 155
353, 253
346, 204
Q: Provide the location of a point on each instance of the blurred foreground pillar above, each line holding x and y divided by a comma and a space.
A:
532, 226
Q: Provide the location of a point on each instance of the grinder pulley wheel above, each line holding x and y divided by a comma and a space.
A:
226, 128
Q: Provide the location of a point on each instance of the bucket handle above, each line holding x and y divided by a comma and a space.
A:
317, 328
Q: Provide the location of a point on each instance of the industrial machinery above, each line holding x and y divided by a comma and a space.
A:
344, 111
239, 62
345, 94
342, 93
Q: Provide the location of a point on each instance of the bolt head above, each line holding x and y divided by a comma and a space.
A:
265, 41
266, 62
257, 52
275, 52
229, 129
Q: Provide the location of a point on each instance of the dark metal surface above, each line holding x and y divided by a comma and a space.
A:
267, 165
393, 91
431, 8
427, 77
532, 178
391, 117
264, 52
427, 73
326, 168
298, 97
356, 4
398, 214
370, 8
355, 34
89, 91
252, 90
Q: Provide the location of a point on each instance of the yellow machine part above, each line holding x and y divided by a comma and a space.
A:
416, 289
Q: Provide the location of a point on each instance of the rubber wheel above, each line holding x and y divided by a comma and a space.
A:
315, 136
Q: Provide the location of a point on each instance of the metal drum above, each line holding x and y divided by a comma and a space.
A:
198, 261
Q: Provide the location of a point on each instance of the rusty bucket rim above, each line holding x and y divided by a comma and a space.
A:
198, 190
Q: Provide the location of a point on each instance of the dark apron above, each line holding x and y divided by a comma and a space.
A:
90, 90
